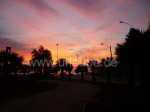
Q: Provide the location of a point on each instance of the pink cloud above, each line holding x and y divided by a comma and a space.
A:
126, 1
40, 7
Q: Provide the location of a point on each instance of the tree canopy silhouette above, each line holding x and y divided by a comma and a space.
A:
93, 65
83, 69
61, 65
10, 63
69, 68
41, 60
134, 54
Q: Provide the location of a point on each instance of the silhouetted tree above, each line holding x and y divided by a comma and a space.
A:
55, 70
133, 53
82, 69
61, 65
106, 68
2, 61
102, 68
128, 53
93, 65
77, 71
85, 69
41, 60
12, 64
69, 68
25, 69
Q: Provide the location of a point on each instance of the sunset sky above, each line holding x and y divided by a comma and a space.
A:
75, 24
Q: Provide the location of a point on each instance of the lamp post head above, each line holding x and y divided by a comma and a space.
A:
126, 23
102, 43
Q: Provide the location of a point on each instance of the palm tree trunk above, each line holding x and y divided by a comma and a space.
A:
62, 74
93, 76
69, 76
82, 76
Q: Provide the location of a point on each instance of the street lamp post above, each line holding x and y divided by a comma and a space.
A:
111, 53
77, 58
57, 51
126, 23
109, 69
110, 50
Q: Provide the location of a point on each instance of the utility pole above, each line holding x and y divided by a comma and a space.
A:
110, 50
57, 51
111, 54
77, 54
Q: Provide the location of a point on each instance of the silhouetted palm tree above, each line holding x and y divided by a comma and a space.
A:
93, 65
25, 69
41, 60
61, 65
85, 69
77, 71
69, 68
82, 69
55, 70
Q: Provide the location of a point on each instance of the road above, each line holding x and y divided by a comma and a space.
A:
67, 97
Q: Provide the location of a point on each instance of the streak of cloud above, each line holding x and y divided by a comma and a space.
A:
39, 6
92, 9
6, 42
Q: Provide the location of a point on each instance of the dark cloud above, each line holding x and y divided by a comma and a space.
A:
6, 42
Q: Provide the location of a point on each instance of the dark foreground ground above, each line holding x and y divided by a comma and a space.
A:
57, 96
116, 98
29, 95
15, 87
